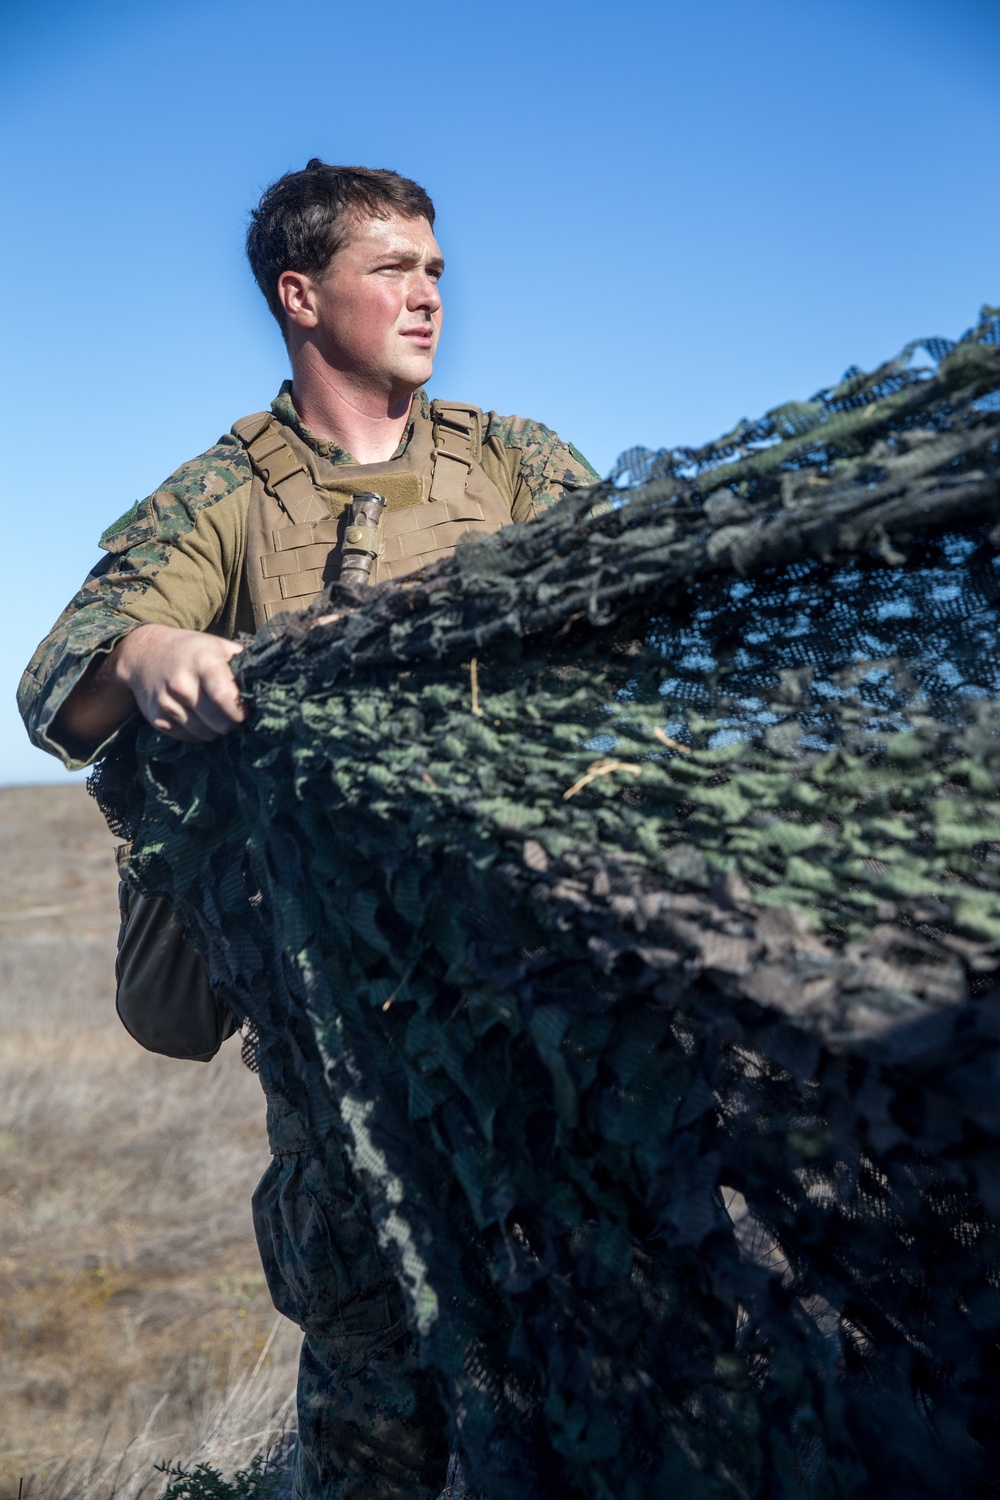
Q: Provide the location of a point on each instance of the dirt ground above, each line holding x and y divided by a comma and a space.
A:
133, 1311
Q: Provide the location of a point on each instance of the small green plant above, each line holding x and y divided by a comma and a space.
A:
260, 1481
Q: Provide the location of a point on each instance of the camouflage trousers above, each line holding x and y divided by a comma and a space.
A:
370, 1430
371, 1424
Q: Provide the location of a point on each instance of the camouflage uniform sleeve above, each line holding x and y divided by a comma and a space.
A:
541, 469
175, 558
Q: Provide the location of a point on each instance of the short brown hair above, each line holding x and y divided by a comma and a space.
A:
302, 220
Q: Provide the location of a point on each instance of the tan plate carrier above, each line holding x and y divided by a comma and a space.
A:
436, 492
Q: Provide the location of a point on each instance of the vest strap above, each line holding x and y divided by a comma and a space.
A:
284, 474
464, 420
457, 446
247, 428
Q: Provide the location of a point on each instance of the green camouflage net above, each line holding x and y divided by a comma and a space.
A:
625, 893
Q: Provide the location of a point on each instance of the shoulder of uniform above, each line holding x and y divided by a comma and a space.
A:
175, 505
550, 468
537, 439
516, 432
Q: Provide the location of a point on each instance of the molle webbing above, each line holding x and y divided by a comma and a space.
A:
435, 492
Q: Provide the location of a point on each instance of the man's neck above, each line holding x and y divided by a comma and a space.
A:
367, 424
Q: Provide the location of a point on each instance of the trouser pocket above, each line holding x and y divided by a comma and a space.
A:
319, 1252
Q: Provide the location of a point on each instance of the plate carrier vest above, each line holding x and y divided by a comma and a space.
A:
435, 493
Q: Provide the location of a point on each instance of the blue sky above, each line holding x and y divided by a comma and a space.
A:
657, 218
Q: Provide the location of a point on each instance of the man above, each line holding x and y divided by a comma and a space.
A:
349, 264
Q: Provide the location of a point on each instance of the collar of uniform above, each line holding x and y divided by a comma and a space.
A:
284, 409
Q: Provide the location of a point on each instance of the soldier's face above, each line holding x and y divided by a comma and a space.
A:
378, 305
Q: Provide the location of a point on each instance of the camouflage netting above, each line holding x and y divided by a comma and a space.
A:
638, 876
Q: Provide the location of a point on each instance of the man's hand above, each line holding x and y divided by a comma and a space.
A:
180, 681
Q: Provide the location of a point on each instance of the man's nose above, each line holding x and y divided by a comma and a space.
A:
424, 293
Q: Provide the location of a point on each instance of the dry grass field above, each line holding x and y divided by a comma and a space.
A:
133, 1312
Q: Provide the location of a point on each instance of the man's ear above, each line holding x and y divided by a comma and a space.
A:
296, 293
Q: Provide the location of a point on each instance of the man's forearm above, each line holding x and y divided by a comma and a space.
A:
180, 681
98, 705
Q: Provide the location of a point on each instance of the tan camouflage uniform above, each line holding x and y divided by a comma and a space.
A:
370, 1424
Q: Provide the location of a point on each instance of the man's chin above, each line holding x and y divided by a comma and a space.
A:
416, 372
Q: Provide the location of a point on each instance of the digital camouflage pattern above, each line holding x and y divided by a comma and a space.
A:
200, 509
364, 1405
546, 467
622, 901
375, 1430
176, 558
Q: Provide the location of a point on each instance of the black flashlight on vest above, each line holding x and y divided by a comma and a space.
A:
362, 536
